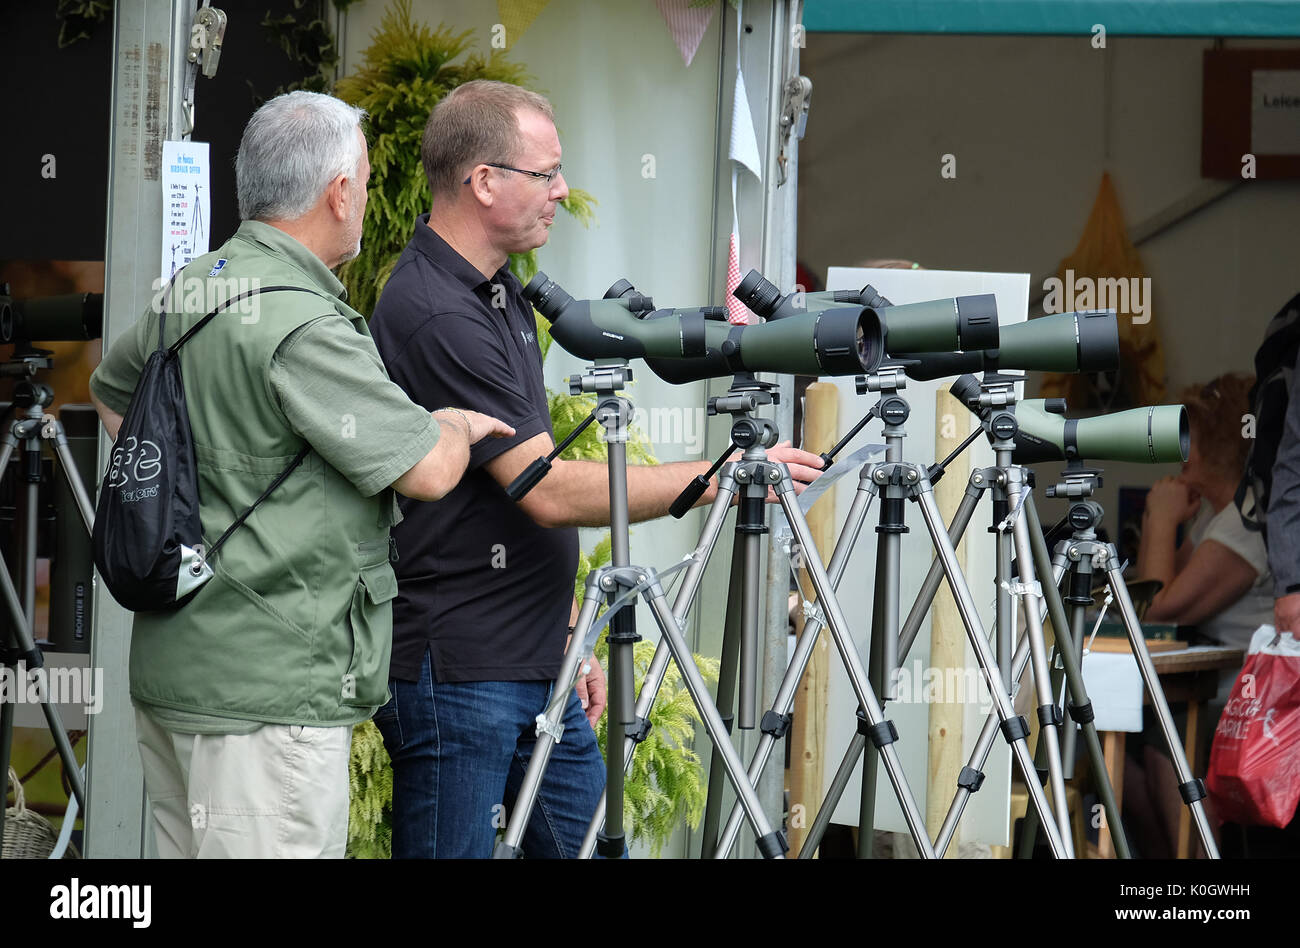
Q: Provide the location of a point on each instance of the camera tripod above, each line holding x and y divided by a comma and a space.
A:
896, 481
30, 428
620, 584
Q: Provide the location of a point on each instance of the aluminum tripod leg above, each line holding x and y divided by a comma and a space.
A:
883, 734
1069, 646
774, 728
1014, 728
549, 726
1049, 715
728, 666
771, 844
659, 664
1191, 789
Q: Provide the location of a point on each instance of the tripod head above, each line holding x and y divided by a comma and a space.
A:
748, 433
604, 377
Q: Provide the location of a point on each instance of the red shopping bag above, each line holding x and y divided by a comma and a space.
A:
1254, 774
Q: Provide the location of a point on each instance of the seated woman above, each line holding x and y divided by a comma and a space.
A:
1217, 580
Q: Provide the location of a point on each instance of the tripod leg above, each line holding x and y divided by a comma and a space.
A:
25, 649
777, 720
930, 586
549, 728
726, 703
1070, 648
1191, 788
1014, 727
654, 677
883, 734
1049, 715
770, 843
68, 465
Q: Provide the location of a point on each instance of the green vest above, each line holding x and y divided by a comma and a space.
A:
295, 627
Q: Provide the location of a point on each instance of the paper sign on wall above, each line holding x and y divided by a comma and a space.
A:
186, 205
1275, 112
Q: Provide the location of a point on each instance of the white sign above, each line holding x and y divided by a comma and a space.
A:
1275, 112
186, 222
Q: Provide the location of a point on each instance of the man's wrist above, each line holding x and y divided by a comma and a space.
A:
469, 428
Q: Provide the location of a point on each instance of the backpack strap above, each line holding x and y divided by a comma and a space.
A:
189, 334
239, 521
175, 347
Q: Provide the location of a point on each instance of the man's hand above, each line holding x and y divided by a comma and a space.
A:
480, 425
804, 467
1286, 614
591, 691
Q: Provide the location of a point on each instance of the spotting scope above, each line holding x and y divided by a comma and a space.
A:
1157, 434
1086, 341
829, 337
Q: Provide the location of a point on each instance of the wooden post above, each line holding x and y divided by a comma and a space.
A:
808, 729
947, 634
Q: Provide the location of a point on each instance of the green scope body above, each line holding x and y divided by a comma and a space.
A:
1157, 434
833, 337
1086, 341
686, 345
942, 325
72, 318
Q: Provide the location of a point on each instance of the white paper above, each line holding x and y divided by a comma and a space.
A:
186, 223
1275, 111
1115, 688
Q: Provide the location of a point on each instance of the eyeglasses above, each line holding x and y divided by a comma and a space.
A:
547, 176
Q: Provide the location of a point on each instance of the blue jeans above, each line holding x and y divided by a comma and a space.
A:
459, 752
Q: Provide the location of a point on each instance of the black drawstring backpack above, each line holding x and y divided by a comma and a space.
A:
147, 539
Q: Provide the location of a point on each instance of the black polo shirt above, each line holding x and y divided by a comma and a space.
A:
480, 584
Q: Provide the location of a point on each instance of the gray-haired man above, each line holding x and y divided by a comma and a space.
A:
246, 696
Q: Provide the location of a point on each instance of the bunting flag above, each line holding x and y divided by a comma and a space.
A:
744, 155
517, 16
687, 23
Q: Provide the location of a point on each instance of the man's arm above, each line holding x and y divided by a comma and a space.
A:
110, 419
434, 475
576, 493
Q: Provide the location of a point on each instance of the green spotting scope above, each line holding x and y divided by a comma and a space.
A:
1157, 434
686, 345
1086, 341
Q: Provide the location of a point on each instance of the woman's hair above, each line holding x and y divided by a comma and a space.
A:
1215, 413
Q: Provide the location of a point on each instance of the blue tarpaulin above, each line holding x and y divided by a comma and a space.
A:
1063, 17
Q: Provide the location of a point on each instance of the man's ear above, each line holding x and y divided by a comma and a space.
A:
480, 183
337, 194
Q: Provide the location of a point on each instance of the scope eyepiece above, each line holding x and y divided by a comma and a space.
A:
758, 293
547, 296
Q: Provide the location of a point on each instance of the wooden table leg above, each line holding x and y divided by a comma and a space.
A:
1112, 747
1190, 746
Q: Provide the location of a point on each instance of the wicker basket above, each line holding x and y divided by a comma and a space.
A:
28, 835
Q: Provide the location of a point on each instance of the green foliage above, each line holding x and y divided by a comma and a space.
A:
370, 782
78, 19
405, 72
308, 42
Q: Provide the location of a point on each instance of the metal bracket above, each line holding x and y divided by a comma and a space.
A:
544, 726
206, 36
795, 99
207, 33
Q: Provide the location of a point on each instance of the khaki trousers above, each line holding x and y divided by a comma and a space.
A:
280, 792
